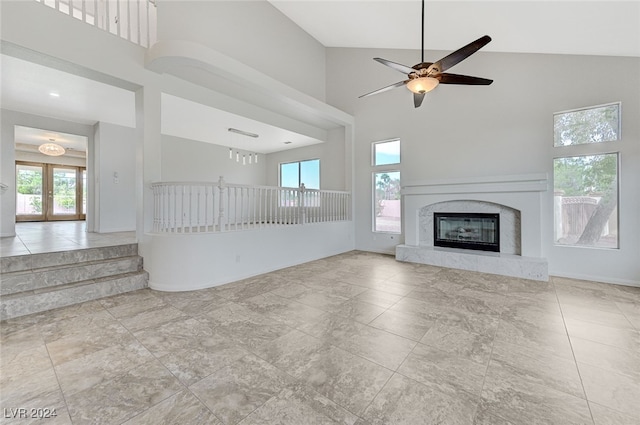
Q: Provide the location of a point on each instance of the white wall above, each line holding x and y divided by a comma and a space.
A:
28, 156
115, 152
193, 161
253, 32
502, 129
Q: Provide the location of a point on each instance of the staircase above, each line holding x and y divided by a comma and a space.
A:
40, 282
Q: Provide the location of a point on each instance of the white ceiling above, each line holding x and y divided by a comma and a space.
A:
573, 27
41, 90
610, 28
191, 120
36, 137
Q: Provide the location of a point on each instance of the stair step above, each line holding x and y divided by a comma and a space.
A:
45, 277
51, 259
44, 299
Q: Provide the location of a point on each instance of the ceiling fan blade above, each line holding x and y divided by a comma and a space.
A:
447, 78
392, 86
417, 99
460, 54
397, 66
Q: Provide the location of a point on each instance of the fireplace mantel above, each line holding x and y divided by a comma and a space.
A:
497, 184
523, 193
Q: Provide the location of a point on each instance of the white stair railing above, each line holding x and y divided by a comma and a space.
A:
133, 20
207, 207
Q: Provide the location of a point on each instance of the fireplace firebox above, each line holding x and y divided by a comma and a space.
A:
477, 231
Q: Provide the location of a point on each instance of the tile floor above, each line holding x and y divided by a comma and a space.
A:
36, 238
356, 338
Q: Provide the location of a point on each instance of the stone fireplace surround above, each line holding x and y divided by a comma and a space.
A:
519, 201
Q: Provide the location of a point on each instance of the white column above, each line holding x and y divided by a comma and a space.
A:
148, 158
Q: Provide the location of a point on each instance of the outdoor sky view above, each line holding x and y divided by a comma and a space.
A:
294, 173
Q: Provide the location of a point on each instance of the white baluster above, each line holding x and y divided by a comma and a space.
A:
221, 188
303, 210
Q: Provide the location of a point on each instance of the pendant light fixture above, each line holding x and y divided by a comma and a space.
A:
51, 149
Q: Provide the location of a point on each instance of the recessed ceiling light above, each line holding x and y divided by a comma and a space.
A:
54, 94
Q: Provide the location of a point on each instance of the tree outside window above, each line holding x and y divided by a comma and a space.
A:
586, 186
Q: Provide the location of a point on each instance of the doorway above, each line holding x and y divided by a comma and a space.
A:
51, 175
50, 192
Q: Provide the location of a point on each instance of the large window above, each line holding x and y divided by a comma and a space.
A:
387, 213
292, 174
586, 185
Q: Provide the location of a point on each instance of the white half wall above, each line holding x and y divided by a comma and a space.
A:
189, 262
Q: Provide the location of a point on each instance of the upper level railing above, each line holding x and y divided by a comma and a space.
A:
133, 20
206, 207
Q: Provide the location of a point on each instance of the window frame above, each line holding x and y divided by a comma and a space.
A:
373, 203
585, 108
373, 152
300, 172
584, 150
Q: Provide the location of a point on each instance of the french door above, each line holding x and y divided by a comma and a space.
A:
49, 192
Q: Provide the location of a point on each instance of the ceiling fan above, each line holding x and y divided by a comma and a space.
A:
425, 76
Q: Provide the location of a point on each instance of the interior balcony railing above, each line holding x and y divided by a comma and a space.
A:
133, 20
210, 207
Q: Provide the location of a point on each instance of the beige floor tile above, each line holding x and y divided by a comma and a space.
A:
520, 401
235, 391
404, 401
610, 389
406, 325
319, 343
443, 370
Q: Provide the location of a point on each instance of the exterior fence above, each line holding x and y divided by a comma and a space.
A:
209, 207
133, 20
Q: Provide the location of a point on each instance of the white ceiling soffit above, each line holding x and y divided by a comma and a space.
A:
28, 137
609, 28
286, 106
191, 120
36, 89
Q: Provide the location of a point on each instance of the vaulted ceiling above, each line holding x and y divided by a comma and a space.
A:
554, 27
609, 28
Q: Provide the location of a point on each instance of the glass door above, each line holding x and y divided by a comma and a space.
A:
30, 204
48, 192
63, 193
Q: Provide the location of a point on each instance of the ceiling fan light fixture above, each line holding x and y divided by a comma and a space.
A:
422, 85
51, 149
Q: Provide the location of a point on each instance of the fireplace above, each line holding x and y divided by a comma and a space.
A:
478, 231
519, 201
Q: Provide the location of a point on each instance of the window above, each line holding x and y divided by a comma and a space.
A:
586, 182
292, 174
385, 153
387, 212
589, 125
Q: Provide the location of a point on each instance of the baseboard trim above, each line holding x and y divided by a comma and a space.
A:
602, 279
